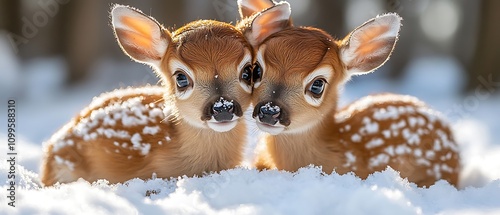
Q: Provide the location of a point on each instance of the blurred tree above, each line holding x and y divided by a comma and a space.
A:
10, 15
485, 67
87, 35
331, 17
401, 55
80, 41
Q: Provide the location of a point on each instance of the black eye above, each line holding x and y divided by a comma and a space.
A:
317, 87
182, 80
246, 74
257, 73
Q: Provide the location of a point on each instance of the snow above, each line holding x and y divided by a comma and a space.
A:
272, 108
221, 102
42, 111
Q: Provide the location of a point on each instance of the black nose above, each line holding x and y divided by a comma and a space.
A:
223, 109
269, 113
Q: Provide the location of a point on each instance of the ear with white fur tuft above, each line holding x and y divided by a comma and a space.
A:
249, 7
370, 45
268, 22
139, 35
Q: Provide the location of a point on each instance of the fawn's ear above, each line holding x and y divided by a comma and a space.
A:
369, 46
139, 35
268, 22
249, 7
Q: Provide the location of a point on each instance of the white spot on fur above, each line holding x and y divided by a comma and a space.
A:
369, 126
417, 152
389, 150
386, 133
374, 143
411, 138
429, 154
156, 113
61, 161
369, 102
350, 159
356, 138
136, 140
151, 130
380, 159
137, 145
402, 149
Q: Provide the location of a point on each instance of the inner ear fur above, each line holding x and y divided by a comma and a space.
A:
141, 37
247, 8
370, 45
268, 22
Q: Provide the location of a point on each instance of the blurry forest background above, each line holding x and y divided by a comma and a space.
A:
465, 31
55, 55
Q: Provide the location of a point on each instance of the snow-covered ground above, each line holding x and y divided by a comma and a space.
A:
44, 105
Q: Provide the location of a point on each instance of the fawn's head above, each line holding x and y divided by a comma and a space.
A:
204, 65
300, 69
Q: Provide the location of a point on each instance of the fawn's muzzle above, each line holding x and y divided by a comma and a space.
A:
270, 114
222, 110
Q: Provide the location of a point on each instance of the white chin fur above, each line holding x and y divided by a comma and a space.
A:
222, 126
271, 129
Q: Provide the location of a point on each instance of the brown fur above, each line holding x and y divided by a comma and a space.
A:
315, 134
184, 145
326, 145
190, 151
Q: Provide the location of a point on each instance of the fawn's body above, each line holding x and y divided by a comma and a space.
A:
190, 125
133, 133
296, 89
369, 135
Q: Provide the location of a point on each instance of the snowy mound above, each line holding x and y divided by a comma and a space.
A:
245, 191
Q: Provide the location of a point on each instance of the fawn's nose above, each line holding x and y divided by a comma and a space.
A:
222, 109
270, 114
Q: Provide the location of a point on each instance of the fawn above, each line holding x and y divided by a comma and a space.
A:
297, 77
191, 125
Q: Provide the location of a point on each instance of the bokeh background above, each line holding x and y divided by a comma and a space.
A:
55, 55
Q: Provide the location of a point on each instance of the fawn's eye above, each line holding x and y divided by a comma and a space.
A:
246, 74
182, 80
257, 73
317, 87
